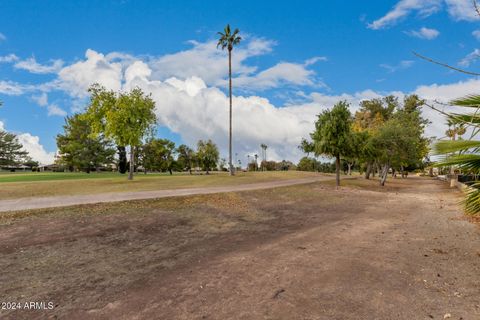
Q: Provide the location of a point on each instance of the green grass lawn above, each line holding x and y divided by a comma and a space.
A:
50, 176
19, 185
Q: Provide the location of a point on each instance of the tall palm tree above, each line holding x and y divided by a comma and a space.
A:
227, 41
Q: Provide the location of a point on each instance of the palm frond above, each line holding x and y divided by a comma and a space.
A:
443, 147
472, 101
457, 118
468, 162
471, 202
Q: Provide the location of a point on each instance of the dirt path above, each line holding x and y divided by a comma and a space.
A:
63, 201
299, 252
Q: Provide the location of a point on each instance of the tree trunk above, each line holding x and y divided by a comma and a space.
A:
132, 163
349, 168
383, 178
368, 171
230, 116
337, 171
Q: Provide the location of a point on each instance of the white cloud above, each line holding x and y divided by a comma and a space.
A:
462, 10
284, 73
205, 61
35, 149
314, 60
2, 37
404, 64
457, 9
41, 100
470, 58
31, 65
424, 33
54, 110
403, 8
444, 94
12, 88
476, 34
9, 58
33, 146
76, 78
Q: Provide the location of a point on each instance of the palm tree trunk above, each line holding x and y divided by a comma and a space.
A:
132, 164
230, 117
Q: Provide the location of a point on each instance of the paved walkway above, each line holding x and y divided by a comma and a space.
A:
65, 201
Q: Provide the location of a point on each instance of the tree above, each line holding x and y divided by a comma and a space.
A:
78, 149
158, 155
306, 146
186, 157
371, 118
307, 164
228, 40
208, 155
400, 142
332, 134
11, 150
124, 117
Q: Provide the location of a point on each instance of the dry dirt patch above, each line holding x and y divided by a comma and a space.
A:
303, 252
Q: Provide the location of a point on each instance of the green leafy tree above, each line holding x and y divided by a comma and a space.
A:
11, 150
158, 155
400, 142
307, 164
307, 146
228, 40
208, 155
124, 117
332, 135
185, 158
78, 149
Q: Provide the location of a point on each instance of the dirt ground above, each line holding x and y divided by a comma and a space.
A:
300, 252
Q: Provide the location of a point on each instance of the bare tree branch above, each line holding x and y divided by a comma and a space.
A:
446, 65
475, 4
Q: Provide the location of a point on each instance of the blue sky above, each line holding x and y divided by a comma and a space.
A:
296, 59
